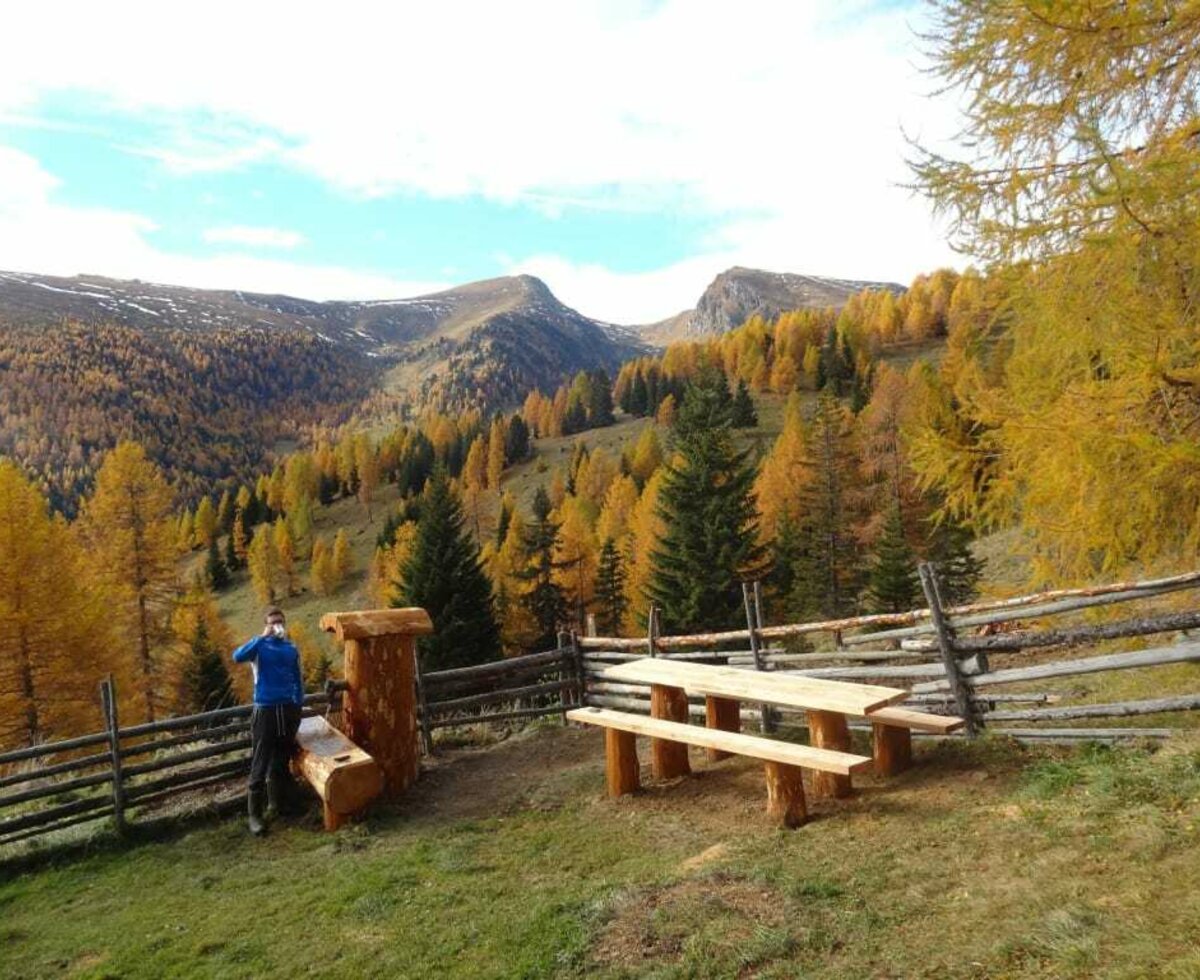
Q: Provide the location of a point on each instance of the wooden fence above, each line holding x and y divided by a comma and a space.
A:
115, 772
900, 648
943, 655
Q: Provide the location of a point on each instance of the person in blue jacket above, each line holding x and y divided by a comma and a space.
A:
278, 697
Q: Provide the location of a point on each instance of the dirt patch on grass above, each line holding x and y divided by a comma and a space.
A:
668, 924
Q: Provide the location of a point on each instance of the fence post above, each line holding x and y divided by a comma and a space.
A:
422, 705
753, 625
562, 648
108, 702
959, 687
580, 678
652, 630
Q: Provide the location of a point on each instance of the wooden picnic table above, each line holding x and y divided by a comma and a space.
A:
827, 704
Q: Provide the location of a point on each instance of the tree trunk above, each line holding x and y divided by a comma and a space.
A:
669, 759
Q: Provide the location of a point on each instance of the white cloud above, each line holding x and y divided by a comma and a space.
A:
255, 237
39, 234
781, 120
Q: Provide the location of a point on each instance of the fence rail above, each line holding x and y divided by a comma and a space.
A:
931, 650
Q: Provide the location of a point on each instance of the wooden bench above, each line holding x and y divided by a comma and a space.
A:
827, 704
783, 761
891, 735
345, 777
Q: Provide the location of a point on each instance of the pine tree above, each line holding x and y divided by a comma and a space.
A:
711, 525
215, 569
600, 403
321, 573
205, 684
495, 453
543, 598
744, 415
892, 581
443, 576
611, 603
958, 570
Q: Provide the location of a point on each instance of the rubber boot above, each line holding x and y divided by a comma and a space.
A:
277, 798
254, 805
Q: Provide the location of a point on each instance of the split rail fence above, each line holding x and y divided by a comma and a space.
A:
944, 655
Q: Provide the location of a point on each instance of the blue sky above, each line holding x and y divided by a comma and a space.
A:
626, 152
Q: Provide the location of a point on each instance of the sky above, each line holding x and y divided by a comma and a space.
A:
624, 151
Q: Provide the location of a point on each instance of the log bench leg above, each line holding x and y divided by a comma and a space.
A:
668, 759
785, 794
828, 730
891, 748
620, 762
333, 820
723, 714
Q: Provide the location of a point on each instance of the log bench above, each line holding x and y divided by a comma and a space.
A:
344, 776
891, 735
784, 762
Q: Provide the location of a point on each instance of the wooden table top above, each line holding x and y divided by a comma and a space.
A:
785, 690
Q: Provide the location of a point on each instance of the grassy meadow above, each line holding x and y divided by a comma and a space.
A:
985, 860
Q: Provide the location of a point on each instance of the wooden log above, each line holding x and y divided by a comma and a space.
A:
954, 671
55, 789
1154, 657
1027, 639
829, 730
752, 625
207, 735
668, 759
380, 708
51, 748
724, 714
969, 666
891, 748
41, 830
191, 786
180, 758
45, 772
344, 776
785, 793
494, 697
42, 817
367, 624
436, 679
199, 721
621, 769
1114, 709
479, 685
485, 719
229, 769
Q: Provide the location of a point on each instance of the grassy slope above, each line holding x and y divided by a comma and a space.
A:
509, 862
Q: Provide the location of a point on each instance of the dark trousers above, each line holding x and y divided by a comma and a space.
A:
273, 732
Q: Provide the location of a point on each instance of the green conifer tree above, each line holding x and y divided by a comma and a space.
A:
744, 414
544, 598
959, 571
443, 576
215, 569
893, 579
611, 601
205, 684
706, 502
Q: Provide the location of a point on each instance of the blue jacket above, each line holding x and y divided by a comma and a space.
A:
276, 666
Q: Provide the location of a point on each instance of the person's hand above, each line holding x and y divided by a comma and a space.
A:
268, 630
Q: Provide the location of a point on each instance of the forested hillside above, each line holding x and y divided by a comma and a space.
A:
209, 406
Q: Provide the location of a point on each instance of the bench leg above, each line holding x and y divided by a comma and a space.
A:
892, 749
724, 714
785, 794
333, 820
668, 759
828, 730
620, 762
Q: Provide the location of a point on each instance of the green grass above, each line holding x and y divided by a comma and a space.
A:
986, 860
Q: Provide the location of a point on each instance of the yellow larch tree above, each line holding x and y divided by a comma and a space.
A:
55, 642
128, 528
784, 473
